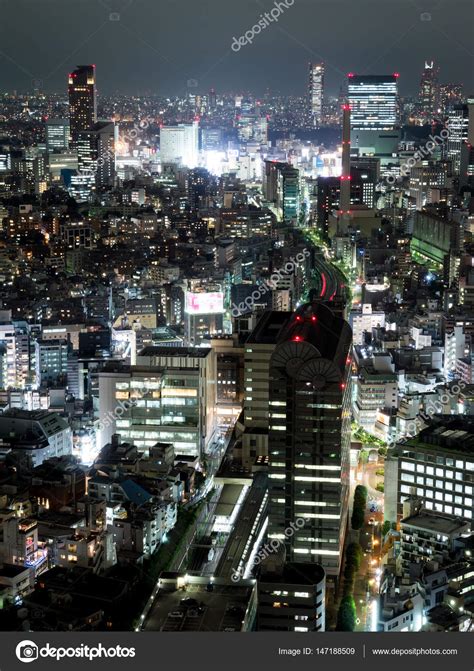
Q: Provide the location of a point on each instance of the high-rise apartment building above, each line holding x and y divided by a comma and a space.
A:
82, 100
14, 354
51, 362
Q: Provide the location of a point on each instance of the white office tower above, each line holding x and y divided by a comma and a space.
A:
180, 144
316, 91
458, 135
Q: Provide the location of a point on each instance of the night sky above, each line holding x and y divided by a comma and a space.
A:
167, 47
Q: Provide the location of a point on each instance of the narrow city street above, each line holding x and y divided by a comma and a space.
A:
369, 538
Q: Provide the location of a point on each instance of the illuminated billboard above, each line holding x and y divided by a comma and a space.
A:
205, 303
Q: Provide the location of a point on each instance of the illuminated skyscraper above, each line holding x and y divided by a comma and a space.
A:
281, 186
106, 136
180, 144
429, 92
309, 436
467, 149
316, 91
458, 128
373, 100
96, 159
345, 203
450, 95
82, 100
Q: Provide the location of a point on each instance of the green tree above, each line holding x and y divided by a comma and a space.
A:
346, 616
360, 504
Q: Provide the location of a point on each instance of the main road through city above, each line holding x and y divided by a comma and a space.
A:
327, 281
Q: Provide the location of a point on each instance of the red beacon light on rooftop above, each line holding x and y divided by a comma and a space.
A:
297, 339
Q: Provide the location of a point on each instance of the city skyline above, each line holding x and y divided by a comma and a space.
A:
108, 33
236, 329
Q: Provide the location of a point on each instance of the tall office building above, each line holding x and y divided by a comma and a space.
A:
437, 466
57, 134
281, 186
106, 136
180, 144
345, 201
96, 158
458, 129
309, 436
257, 354
429, 92
290, 194
84, 182
467, 149
169, 396
82, 100
316, 91
449, 96
374, 101
426, 182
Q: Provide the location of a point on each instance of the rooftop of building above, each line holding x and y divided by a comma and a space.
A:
191, 352
443, 616
268, 328
12, 570
449, 432
316, 324
294, 573
82, 582
436, 522
222, 609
